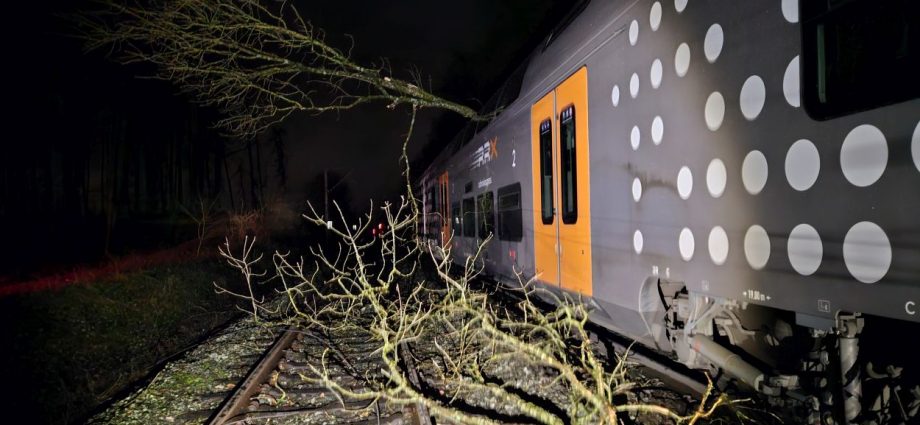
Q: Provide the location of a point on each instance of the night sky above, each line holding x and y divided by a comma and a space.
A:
63, 99
464, 49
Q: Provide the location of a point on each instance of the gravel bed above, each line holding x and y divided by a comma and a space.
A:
189, 389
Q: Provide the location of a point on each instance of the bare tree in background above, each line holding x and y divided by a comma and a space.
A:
257, 62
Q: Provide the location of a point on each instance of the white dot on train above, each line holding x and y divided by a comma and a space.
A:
716, 177
791, 10
654, 17
915, 146
805, 249
864, 155
712, 44
718, 245
802, 165
638, 242
791, 83
634, 85
636, 189
686, 244
633, 32
655, 73
635, 137
615, 95
680, 5
753, 96
715, 111
684, 182
682, 59
756, 247
657, 130
867, 252
754, 172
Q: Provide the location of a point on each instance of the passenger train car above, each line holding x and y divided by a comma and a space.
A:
715, 178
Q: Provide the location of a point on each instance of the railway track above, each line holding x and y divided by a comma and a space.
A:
255, 377
274, 391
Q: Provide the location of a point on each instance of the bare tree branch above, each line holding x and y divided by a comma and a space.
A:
464, 340
257, 62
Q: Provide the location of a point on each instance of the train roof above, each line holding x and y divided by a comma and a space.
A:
556, 56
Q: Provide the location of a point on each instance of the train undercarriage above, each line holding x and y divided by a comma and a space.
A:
821, 371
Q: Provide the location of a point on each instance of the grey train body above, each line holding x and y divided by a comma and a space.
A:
710, 183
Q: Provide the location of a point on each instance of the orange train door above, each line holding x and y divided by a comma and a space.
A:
562, 221
444, 207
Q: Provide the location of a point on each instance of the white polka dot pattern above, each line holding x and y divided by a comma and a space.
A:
718, 245
655, 73
753, 97
654, 16
867, 252
716, 178
805, 249
615, 95
791, 10
682, 60
680, 5
915, 146
657, 130
634, 85
633, 32
802, 165
636, 189
635, 138
686, 244
791, 83
864, 155
715, 111
638, 242
757, 247
754, 172
712, 44
684, 182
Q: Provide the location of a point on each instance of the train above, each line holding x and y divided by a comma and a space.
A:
733, 183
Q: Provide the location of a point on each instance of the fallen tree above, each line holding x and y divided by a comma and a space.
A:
419, 308
258, 64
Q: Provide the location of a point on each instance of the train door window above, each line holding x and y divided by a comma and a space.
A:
859, 54
510, 221
485, 206
569, 183
469, 217
546, 171
458, 226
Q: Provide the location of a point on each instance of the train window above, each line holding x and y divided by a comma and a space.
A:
485, 206
546, 171
469, 217
510, 223
432, 213
458, 226
859, 54
569, 183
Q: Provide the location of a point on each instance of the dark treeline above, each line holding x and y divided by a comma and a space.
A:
109, 164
